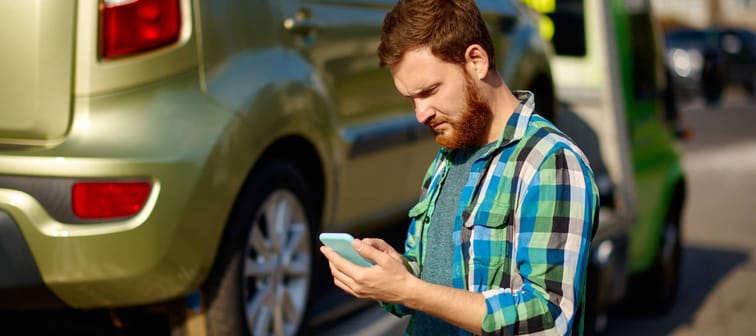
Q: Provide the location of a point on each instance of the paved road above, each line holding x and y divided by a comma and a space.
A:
717, 294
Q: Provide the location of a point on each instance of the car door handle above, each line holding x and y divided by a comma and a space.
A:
302, 23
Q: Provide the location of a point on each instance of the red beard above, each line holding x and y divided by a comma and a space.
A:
469, 129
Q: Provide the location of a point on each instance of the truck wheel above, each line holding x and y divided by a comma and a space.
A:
261, 283
592, 308
750, 88
669, 260
655, 290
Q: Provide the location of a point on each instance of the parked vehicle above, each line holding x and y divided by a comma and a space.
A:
153, 153
739, 46
689, 52
704, 61
609, 74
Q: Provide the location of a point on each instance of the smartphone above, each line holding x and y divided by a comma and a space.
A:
342, 244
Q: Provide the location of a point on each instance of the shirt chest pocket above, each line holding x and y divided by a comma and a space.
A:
419, 212
489, 232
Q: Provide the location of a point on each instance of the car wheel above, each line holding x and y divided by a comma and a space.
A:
655, 290
713, 93
668, 267
592, 309
750, 88
261, 284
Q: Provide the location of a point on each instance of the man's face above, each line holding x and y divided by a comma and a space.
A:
445, 99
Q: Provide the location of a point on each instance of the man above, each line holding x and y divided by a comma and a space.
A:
499, 242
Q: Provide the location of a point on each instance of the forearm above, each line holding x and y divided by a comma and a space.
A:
459, 307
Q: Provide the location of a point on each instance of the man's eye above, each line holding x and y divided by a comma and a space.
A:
427, 93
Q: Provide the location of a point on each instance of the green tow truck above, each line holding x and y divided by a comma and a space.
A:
609, 74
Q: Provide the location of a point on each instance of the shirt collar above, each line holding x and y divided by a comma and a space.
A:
517, 123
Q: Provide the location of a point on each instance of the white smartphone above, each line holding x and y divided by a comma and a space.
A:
342, 244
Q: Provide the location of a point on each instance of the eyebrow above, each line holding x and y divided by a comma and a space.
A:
423, 91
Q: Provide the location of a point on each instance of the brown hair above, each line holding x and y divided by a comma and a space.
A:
448, 27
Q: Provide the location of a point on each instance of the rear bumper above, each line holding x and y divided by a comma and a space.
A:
168, 133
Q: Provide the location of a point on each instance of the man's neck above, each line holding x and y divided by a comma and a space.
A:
503, 104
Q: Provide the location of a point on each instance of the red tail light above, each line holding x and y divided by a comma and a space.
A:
104, 200
132, 26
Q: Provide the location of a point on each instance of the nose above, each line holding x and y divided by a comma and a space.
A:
423, 110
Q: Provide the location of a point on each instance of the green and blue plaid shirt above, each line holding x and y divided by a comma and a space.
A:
523, 227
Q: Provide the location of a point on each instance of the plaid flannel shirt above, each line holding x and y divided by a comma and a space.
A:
523, 228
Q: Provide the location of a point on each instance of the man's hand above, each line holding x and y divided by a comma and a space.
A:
390, 282
385, 281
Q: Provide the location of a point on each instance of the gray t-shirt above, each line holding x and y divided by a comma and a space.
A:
439, 248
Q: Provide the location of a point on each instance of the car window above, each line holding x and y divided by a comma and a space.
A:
644, 55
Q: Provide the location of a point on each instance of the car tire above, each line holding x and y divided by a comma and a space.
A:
750, 88
591, 301
261, 283
654, 291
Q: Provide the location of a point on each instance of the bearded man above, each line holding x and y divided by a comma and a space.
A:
499, 242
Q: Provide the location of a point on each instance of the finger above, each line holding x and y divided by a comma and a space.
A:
370, 252
332, 255
377, 243
339, 277
381, 245
336, 273
343, 281
343, 265
344, 287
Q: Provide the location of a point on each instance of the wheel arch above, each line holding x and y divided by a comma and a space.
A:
677, 202
296, 150
671, 211
305, 157
670, 208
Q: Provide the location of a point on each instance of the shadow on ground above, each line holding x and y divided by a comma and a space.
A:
703, 269
71, 322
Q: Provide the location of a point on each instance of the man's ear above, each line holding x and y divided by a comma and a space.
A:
476, 60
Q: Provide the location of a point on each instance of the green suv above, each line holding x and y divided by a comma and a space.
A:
157, 151
609, 72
